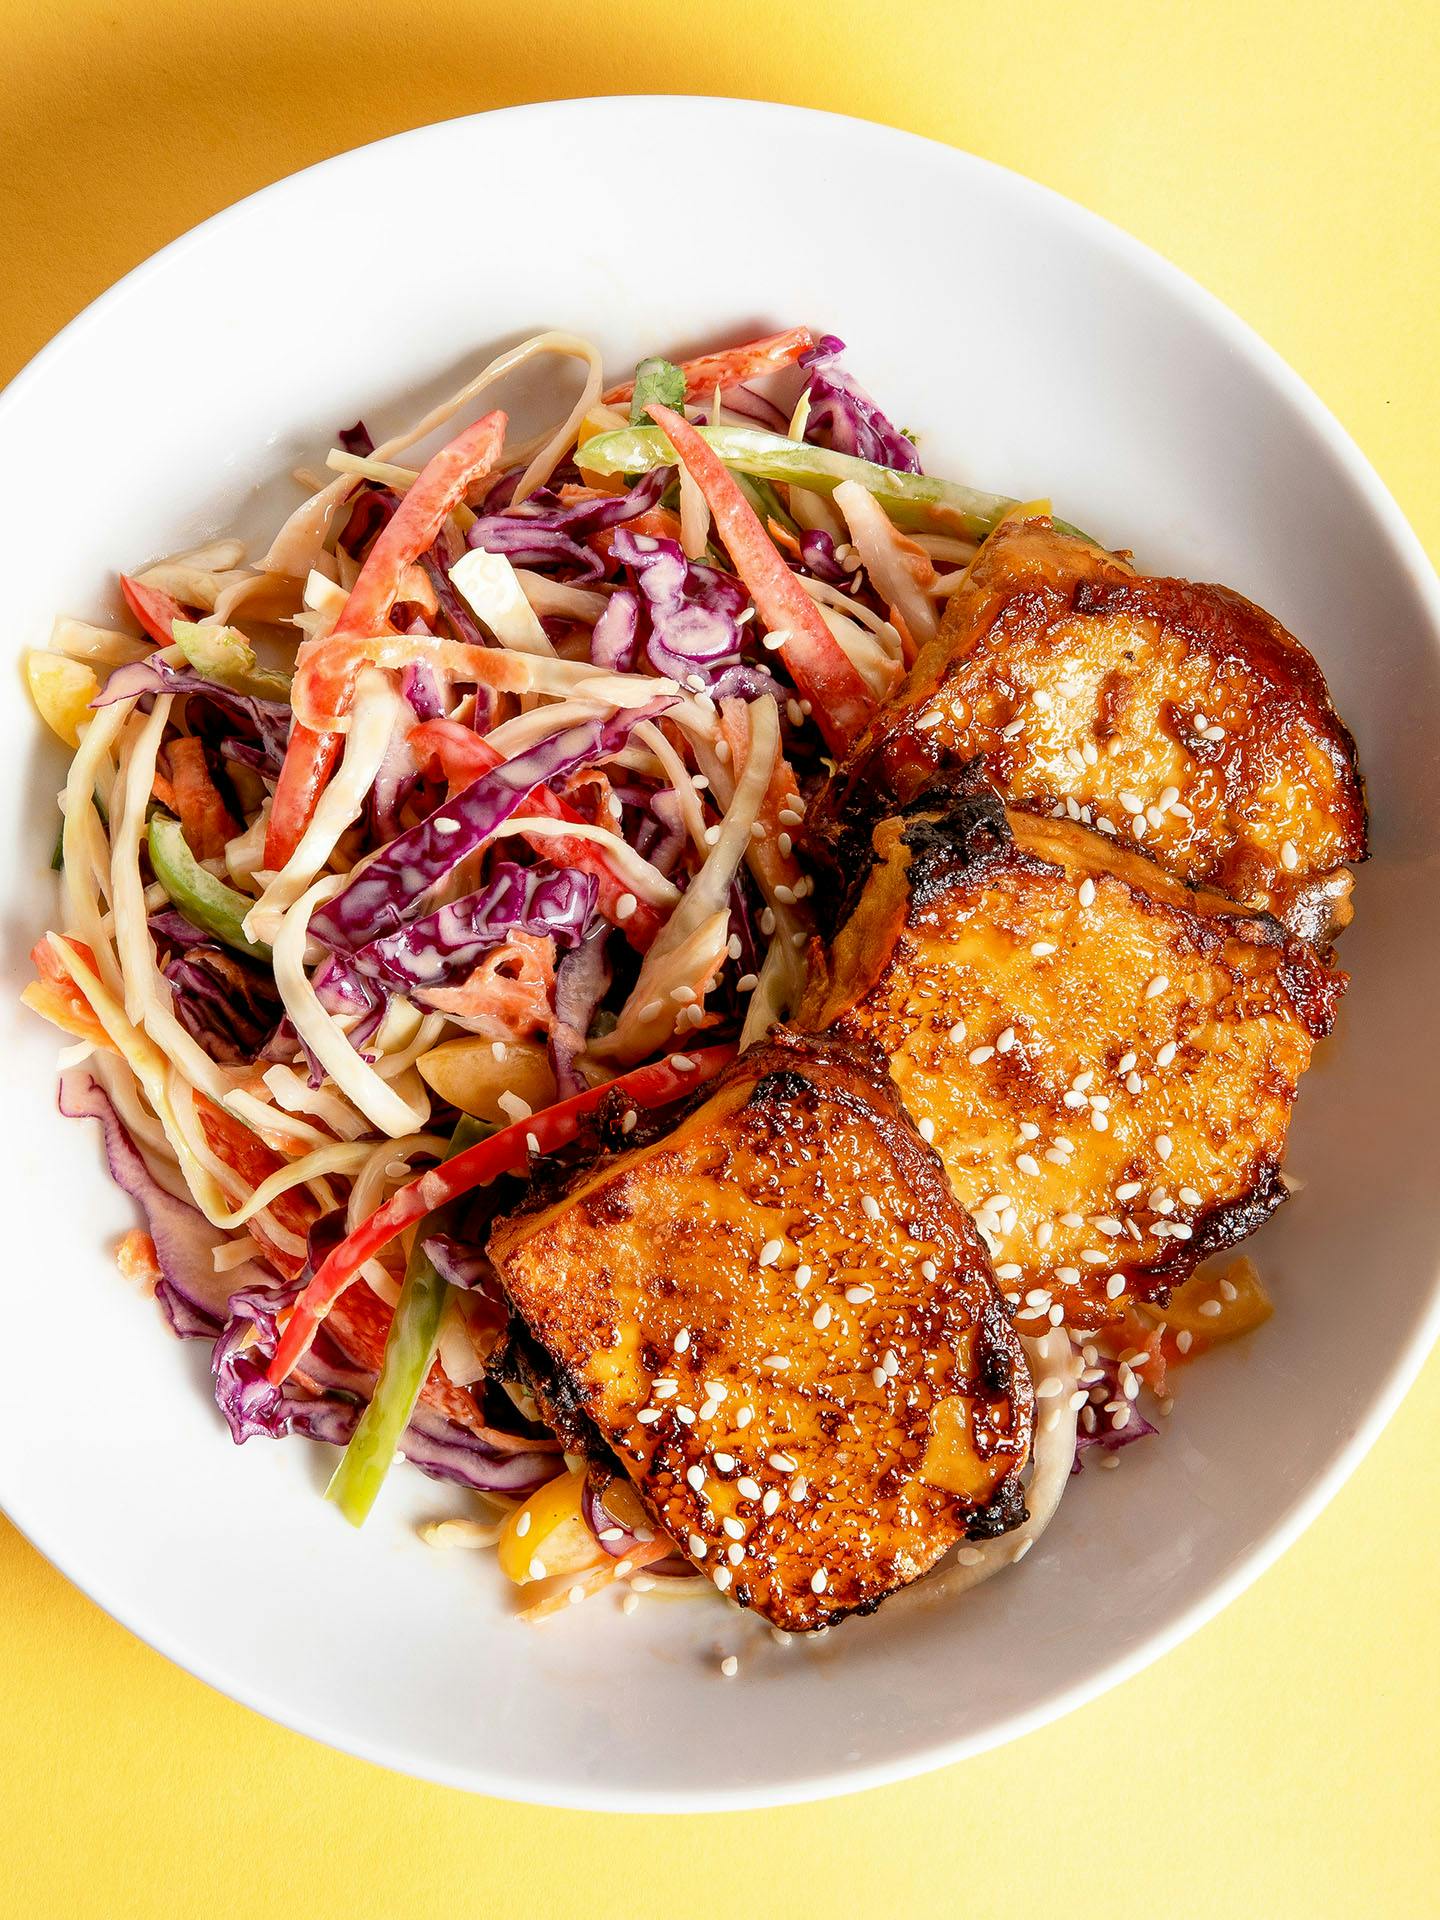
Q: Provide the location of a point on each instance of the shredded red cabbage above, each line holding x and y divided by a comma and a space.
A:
844, 417
269, 720
388, 890
448, 945
228, 1005
582, 980
253, 1407
191, 1294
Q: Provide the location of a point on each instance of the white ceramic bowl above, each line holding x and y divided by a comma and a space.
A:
1039, 352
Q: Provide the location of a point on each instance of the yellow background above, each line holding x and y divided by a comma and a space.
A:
1284, 1761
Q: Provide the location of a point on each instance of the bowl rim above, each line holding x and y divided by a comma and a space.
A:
1138, 257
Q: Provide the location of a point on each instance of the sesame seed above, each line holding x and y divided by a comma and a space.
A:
682, 1340
799, 1487
929, 720
771, 1252
1009, 1220
782, 1463
647, 1416
1190, 1196
1027, 1163
1072, 1220
1213, 732
1041, 947
698, 1547
1045, 1232
857, 1296
747, 983
1289, 858
536, 1569
682, 1063
1228, 1290
879, 1377
957, 1033
686, 1416
1008, 1272
729, 1666
1166, 1054
664, 1389
1120, 1418
1056, 1315
1072, 807
1095, 1256
722, 1577
532, 1144
724, 1462
709, 1409
1006, 1040
1076, 758
1156, 987
1090, 754
1048, 1389
1164, 1146
979, 1055
733, 1527
1057, 1158
1022, 1549
818, 1582
926, 1130
1115, 1286
1042, 700
625, 906
1029, 1130
1099, 1121
820, 1319
1128, 1191
1105, 824
1183, 1340
1111, 1228
748, 1488
928, 1270
1011, 729
1210, 1309
1087, 892
695, 1477
1133, 1083
870, 1206
776, 1362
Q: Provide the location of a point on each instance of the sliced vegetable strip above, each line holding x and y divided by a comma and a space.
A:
203, 812
911, 499
840, 700
507, 1151
156, 610
309, 761
409, 1350
464, 756
731, 367
206, 902
324, 667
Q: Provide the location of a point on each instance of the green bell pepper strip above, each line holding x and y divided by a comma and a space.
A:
409, 1350
766, 503
912, 500
211, 905
655, 380
225, 656
57, 858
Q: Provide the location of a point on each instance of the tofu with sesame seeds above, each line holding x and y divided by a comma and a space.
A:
866, 1400
1110, 1112
1179, 719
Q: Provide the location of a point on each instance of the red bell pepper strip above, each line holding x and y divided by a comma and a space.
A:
507, 1151
732, 366
153, 608
410, 531
839, 698
464, 756
308, 764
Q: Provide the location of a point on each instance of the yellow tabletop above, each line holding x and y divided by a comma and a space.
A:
1283, 1762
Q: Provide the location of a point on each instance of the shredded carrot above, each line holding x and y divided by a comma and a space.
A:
161, 790
56, 998
138, 1261
203, 814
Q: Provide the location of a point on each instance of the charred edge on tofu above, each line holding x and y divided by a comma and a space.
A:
780, 1082
895, 755
955, 837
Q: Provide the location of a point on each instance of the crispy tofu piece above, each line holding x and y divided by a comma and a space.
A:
1107, 1060
1179, 719
785, 1326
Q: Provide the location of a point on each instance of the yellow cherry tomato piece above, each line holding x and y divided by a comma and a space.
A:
547, 1536
62, 690
1219, 1306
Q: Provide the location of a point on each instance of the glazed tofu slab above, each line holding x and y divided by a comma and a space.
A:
1178, 720
784, 1326
1105, 1060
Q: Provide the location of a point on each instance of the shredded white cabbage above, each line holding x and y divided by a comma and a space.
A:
293, 1092
692, 945
553, 598
381, 1103
98, 646
377, 711
488, 583
899, 574
645, 881
681, 785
